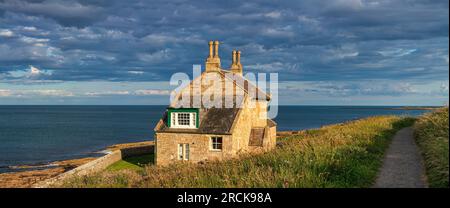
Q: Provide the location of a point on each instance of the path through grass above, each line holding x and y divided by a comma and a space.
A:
343, 155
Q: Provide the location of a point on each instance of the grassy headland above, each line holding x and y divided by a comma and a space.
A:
431, 133
343, 155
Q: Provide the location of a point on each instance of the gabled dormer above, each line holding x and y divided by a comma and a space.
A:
183, 118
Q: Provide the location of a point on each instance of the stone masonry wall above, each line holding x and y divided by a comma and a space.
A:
199, 145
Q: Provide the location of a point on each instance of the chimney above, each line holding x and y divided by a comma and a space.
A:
213, 60
216, 47
210, 49
238, 58
238, 61
234, 63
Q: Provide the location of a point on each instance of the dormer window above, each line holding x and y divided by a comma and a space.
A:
183, 118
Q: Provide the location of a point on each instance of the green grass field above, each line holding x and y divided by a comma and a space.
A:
431, 133
132, 163
343, 155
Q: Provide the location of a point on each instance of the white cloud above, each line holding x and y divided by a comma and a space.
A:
32, 40
31, 73
397, 52
273, 67
29, 28
156, 57
106, 93
57, 93
126, 92
6, 33
34, 71
5, 93
342, 52
135, 72
32, 93
274, 14
152, 92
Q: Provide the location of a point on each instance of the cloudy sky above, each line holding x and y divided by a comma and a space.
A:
340, 52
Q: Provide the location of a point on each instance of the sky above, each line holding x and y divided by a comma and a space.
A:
326, 52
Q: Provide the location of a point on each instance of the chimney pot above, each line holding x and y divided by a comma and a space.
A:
238, 57
216, 52
210, 49
234, 57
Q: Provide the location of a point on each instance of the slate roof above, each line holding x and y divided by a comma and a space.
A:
214, 120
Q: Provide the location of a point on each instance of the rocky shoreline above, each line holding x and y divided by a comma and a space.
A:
25, 179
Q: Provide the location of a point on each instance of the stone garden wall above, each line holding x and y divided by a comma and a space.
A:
97, 165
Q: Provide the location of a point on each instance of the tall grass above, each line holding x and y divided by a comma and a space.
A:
431, 133
344, 155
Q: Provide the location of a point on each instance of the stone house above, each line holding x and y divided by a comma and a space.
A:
195, 128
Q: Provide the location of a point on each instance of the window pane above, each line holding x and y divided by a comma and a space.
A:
186, 153
180, 151
193, 118
184, 119
216, 143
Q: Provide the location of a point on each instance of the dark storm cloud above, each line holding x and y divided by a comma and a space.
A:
301, 40
67, 13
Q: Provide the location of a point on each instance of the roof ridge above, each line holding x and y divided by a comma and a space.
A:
248, 81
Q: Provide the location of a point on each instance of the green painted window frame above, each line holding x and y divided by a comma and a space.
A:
182, 110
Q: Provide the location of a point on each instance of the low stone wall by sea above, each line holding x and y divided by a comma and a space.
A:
98, 165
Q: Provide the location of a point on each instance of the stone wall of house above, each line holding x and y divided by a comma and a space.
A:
272, 138
254, 114
242, 129
259, 113
199, 146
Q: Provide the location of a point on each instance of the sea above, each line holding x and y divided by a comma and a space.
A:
39, 135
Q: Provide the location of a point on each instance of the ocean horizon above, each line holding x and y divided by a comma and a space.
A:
40, 134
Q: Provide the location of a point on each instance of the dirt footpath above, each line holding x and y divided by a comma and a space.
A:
402, 166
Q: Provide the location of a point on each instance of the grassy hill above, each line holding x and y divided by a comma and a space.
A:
343, 155
431, 133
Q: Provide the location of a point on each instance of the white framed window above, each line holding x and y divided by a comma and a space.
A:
183, 151
216, 143
184, 120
